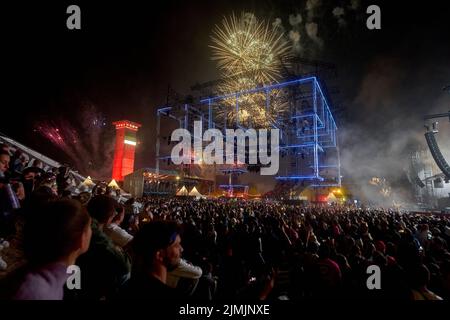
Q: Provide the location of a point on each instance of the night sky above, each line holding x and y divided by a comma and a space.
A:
127, 53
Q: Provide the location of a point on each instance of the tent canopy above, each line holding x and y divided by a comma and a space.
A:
182, 192
113, 184
88, 182
194, 193
331, 197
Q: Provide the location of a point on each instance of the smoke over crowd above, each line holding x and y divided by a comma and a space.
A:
386, 99
388, 110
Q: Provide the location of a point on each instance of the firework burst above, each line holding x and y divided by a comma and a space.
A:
88, 154
250, 53
256, 110
244, 46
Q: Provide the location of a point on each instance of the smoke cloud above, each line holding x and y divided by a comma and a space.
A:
354, 4
339, 13
294, 36
311, 6
249, 18
295, 20
277, 23
312, 30
388, 112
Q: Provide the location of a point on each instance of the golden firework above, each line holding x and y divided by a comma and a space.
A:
255, 110
244, 46
250, 54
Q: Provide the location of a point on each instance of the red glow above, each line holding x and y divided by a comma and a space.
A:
125, 124
124, 153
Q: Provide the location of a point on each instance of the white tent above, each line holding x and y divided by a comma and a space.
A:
194, 193
331, 198
113, 184
182, 192
88, 182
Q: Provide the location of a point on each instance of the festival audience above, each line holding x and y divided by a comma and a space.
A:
236, 249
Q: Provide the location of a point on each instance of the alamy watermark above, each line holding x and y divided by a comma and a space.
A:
374, 280
256, 150
373, 22
74, 20
74, 279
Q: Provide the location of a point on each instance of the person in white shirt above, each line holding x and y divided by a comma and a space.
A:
119, 236
184, 271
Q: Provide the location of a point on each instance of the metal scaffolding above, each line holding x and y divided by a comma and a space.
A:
309, 151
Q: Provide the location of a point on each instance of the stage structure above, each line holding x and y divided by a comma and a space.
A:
420, 175
432, 143
309, 151
233, 187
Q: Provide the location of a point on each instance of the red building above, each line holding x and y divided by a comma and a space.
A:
125, 148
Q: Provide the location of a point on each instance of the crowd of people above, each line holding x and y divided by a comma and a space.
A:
209, 250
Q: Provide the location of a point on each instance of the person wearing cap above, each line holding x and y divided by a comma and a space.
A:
157, 250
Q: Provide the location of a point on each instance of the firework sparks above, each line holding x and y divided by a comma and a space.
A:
88, 155
243, 46
256, 110
250, 54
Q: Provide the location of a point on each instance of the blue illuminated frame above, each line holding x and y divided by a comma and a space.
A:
319, 138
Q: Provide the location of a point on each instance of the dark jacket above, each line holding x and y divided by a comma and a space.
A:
104, 268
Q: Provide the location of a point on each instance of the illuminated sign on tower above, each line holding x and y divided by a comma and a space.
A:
125, 148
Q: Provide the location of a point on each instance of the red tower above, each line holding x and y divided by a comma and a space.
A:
125, 148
